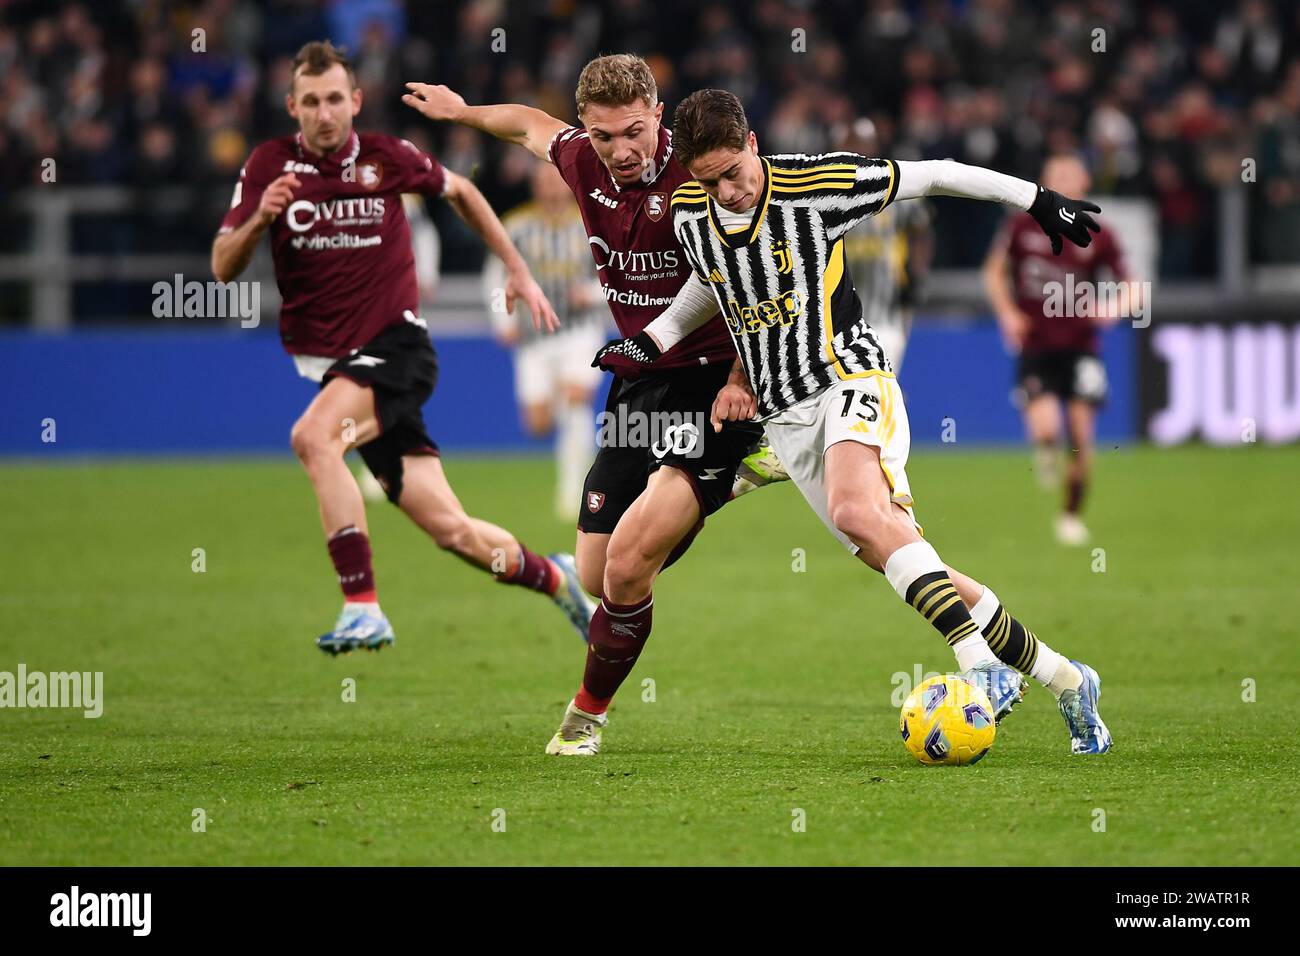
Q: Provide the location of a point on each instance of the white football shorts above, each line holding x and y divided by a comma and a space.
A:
550, 362
868, 410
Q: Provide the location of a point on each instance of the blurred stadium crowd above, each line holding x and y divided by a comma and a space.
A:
1167, 102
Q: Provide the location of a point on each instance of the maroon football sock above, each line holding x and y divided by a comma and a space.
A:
618, 633
350, 551
1074, 492
682, 546
533, 572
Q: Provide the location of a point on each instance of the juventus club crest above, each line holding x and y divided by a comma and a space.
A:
655, 204
781, 251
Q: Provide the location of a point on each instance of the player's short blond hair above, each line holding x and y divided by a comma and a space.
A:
616, 80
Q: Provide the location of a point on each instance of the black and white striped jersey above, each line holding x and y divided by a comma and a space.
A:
781, 281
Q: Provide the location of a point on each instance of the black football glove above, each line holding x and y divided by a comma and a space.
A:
627, 358
1059, 216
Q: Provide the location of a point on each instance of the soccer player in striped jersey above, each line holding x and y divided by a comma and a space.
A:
764, 236
554, 380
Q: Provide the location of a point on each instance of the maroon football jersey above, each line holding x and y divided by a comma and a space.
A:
342, 247
1037, 276
630, 230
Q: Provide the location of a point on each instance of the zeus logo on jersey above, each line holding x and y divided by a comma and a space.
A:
780, 310
302, 215
604, 200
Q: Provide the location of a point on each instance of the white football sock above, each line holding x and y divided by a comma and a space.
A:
1050, 669
985, 608
973, 651
910, 562
1065, 677
575, 447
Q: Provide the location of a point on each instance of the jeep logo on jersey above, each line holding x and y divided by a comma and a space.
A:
631, 262
780, 310
302, 215
595, 500
654, 206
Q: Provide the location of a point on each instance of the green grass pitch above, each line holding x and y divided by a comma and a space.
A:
772, 686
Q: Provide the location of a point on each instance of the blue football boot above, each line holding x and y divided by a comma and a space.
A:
1005, 686
1088, 735
570, 597
358, 627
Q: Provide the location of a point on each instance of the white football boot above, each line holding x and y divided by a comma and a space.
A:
1071, 531
760, 467
579, 734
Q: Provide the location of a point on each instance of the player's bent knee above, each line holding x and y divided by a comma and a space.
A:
861, 520
310, 442
629, 574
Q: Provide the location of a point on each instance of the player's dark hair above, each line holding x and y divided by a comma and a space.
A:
708, 120
318, 56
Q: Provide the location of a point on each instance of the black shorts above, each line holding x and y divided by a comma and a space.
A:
401, 368
1067, 374
663, 419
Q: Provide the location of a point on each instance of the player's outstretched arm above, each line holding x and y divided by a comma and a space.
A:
691, 307
1058, 216
472, 207
233, 250
525, 126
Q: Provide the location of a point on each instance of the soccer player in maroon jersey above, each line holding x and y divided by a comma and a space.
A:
330, 197
1051, 309
642, 506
